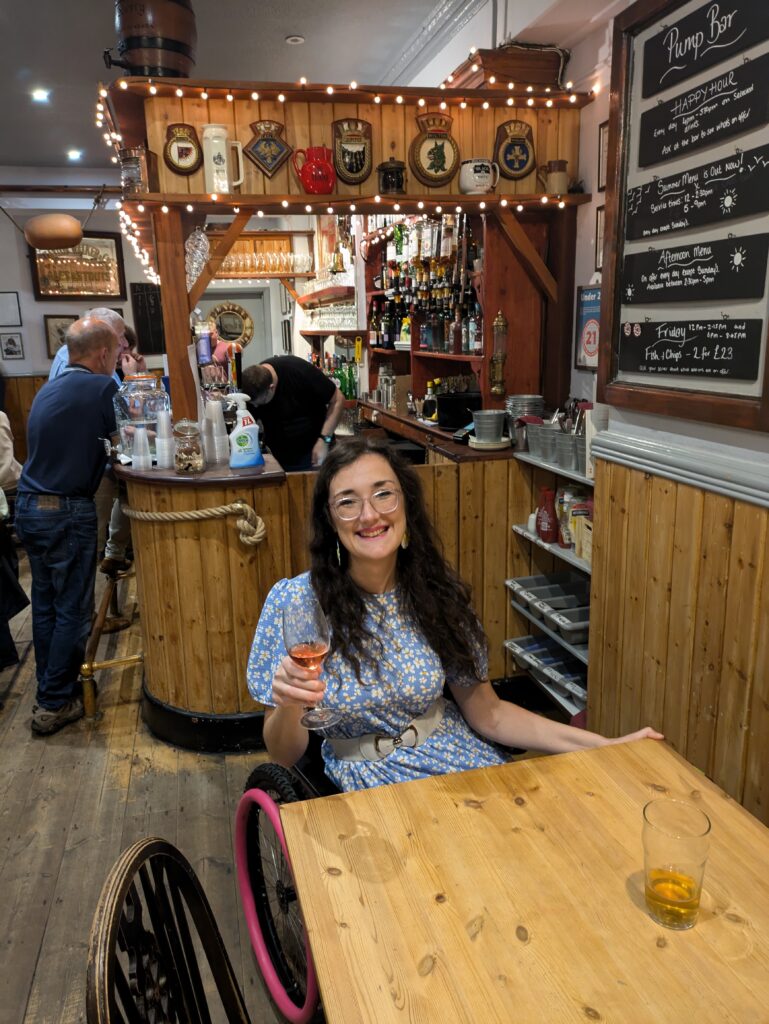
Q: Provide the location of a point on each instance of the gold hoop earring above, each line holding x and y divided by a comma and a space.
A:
405, 540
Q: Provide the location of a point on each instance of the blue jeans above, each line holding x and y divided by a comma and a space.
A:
61, 544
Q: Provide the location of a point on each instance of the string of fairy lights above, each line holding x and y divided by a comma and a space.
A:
518, 95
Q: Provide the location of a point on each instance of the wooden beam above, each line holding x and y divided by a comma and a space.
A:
527, 255
169, 247
559, 323
290, 289
208, 273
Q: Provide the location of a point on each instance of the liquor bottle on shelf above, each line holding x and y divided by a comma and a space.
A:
466, 349
476, 333
456, 333
374, 329
385, 327
430, 405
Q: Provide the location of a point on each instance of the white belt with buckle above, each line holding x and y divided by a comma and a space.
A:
376, 746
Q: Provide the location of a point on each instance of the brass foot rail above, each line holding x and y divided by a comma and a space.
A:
103, 624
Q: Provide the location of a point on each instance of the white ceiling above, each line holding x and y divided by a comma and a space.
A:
58, 45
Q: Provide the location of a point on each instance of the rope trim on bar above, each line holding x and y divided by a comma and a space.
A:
251, 527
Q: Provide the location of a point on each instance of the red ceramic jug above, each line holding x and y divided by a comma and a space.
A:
316, 174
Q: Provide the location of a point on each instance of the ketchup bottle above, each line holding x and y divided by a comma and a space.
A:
547, 521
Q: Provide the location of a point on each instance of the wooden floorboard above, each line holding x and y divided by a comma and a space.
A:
70, 803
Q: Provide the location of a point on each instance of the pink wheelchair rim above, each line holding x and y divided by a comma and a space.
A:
289, 1009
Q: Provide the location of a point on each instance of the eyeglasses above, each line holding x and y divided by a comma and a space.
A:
349, 508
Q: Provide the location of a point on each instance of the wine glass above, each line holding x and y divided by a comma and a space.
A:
306, 634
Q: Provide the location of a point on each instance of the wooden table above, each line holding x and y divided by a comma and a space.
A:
515, 894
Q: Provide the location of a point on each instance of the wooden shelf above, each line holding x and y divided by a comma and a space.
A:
273, 204
326, 296
389, 351
565, 554
423, 354
332, 330
231, 276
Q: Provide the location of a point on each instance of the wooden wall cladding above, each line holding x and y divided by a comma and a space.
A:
555, 134
19, 393
678, 638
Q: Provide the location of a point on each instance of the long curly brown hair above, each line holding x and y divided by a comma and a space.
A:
430, 592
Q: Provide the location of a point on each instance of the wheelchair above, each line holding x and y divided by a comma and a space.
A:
267, 891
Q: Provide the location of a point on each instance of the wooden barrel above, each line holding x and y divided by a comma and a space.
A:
201, 590
157, 38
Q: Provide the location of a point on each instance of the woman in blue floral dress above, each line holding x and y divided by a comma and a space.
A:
402, 626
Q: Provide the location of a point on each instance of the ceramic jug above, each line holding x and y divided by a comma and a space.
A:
554, 177
316, 174
478, 175
216, 159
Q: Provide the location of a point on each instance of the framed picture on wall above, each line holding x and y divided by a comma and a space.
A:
599, 228
56, 327
10, 313
603, 155
588, 321
11, 346
89, 272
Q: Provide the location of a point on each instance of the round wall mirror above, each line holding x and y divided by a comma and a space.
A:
232, 322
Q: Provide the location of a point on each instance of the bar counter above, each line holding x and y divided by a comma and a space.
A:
437, 441
201, 589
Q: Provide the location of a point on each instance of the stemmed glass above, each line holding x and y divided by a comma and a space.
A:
306, 635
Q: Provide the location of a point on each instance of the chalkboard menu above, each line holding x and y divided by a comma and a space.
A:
148, 318
685, 294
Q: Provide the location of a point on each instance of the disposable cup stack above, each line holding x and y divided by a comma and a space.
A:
164, 441
221, 445
141, 459
209, 440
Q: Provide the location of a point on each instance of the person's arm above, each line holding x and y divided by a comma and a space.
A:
512, 726
333, 415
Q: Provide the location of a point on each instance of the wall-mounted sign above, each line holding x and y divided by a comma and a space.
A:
433, 154
713, 33
352, 150
719, 191
731, 268
699, 348
267, 149
730, 104
587, 329
182, 151
514, 149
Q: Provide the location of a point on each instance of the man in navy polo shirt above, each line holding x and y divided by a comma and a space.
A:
56, 515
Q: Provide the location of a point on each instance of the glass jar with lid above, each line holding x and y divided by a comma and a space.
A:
137, 402
188, 448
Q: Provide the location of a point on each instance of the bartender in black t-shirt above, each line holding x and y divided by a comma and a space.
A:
299, 407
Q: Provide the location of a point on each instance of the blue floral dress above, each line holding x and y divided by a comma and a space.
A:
406, 680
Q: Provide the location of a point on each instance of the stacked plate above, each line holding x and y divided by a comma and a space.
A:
524, 405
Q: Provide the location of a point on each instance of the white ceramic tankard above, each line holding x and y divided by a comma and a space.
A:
478, 175
216, 159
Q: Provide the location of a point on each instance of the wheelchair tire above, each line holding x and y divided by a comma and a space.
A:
268, 895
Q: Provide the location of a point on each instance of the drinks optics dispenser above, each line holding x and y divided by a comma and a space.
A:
497, 369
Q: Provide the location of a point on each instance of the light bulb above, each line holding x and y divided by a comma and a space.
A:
420, 102
443, 104
511, 85
377, 99
561, 205
399, 99
463, 104
214, 197
103, 93
204, 95
503, 202
548, 103
439, 209
179, 93
189, 207
450, 78
260, 213
329, 209
308, 208
377, 199
510, 101
474, 67
303, 80
482, 204
140, 207
230, 97
530, 102
352, 207
164, 208
153, 90
485, 104
492, 79
281, 98
519, 208
420, 205
330, 90
353, 84
124, 85
284, 203
572, 98
254, 96
544, 200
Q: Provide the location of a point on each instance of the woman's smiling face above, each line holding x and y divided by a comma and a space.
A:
373, 535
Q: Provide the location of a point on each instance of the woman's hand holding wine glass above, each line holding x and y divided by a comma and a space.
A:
306, 635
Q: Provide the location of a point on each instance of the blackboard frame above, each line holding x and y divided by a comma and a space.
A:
751, 413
